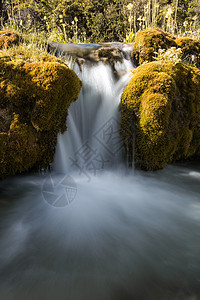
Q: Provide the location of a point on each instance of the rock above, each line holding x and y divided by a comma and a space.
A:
190, 49
34, 100
148, 42
90, 53
164, 99
8, 38
110, 54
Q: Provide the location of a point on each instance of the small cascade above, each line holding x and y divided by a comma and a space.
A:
92, 142
95, 230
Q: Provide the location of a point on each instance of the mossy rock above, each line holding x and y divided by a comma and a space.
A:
190, 50
34, 101
164, 101
148, 42
8, 38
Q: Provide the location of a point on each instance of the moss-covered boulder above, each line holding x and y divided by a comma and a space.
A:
190, 50
34, 100
148, 42
164, 101
8, 38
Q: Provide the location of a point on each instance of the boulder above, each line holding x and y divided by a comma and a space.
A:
8, 38
190, 50
164, 101
34, 101
147, 42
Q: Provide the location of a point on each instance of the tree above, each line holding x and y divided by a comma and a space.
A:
98, 21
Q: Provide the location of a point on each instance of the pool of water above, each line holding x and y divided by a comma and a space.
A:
119, 235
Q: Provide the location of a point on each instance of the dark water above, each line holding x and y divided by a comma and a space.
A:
120, 236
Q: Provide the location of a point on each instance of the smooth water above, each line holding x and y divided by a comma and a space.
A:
94, 229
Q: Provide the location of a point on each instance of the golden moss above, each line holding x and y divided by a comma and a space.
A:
165, 101
147, 42
8, 38
34, 100
190, 49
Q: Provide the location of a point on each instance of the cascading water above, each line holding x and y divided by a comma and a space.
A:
92, 142
92, 229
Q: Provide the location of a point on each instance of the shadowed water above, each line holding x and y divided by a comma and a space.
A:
122, 237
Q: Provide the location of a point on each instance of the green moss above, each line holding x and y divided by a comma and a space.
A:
148, 42
34, 100
165, 101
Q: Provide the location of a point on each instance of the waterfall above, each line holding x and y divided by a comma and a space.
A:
92, 228
92, 142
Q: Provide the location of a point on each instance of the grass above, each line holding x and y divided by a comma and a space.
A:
32, 46
29, 53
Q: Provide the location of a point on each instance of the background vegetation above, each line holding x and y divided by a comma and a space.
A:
100, 21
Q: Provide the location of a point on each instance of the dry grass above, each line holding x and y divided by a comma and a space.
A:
29, 53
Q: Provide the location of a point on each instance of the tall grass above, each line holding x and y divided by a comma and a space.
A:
149, 18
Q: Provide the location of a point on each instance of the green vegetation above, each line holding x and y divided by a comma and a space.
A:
100, 21
164, 99
153, 41
35, 93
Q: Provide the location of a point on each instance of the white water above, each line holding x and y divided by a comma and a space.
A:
120, 236
94, 121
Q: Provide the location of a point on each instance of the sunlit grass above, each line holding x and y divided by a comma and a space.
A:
29, 53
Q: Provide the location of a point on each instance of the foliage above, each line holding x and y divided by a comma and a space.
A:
100, 21
172, 54
131, 37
